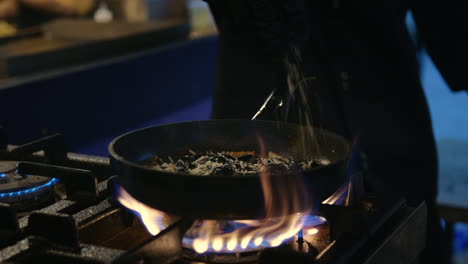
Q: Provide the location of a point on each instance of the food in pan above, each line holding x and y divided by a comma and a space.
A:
229, 163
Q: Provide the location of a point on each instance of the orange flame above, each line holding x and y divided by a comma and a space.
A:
208, 235
154, 220
285, 206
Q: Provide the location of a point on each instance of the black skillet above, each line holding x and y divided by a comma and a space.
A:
226, 196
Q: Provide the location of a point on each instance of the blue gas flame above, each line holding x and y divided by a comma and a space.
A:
29, 191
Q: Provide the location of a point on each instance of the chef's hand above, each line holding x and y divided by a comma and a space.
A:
8, 9
56, 7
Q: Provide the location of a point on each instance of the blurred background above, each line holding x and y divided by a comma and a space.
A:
94, 69
82, 62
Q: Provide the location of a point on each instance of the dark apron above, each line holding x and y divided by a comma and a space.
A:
366, 86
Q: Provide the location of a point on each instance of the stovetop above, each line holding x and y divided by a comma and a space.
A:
70, 215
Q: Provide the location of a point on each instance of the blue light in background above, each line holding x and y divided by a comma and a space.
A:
460, 238
28, 191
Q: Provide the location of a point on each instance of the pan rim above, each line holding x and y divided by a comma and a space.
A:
114, 155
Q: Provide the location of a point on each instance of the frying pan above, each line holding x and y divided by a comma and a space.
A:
223, 196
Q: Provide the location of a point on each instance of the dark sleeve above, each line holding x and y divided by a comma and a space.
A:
443, 27
276, 24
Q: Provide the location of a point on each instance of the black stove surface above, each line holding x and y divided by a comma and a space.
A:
81, 222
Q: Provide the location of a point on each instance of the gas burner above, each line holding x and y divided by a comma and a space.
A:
229, 241
23, 191
307, 240
228, 237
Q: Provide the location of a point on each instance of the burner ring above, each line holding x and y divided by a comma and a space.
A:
7, 167
29, 191
24, 191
